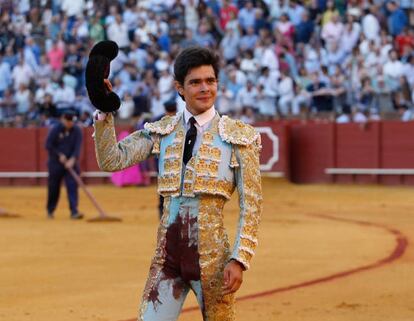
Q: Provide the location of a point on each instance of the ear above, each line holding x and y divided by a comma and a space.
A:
179, 87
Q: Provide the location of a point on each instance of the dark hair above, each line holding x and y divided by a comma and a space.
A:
193, 57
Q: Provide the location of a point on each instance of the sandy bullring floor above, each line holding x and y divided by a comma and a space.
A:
326, 253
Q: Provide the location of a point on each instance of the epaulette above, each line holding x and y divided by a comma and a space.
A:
236, 132
164, 126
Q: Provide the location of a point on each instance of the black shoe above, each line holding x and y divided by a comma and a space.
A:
76, 216
50, 216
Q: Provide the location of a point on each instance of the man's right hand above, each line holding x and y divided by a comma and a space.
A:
62, 159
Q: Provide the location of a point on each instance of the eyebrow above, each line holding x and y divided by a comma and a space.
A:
200, 79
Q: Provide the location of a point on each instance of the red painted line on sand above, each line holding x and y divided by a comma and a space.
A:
399, 249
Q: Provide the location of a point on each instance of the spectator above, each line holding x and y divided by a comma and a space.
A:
118, 31
225, 13
22, 74
247, 16
249, 40
285, 27
332, 31
191, 16
295, 12
5, 76
397, 19
246, 97
230, 46
56, 56
286, 94
8, 105
370, 24
393, 68
304, 29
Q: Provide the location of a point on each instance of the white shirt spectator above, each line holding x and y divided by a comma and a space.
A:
157, 105
266, 101
22, 74
142, 33
269, 59
332, 31
73, 7
127, 108
118, 32
166, 86
64, 97
22, 97
394, 69
350, 37
371, 27
286, 94
191, 15
130, 18
225, 101
246, 97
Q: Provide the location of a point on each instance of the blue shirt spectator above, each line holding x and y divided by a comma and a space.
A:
397, 19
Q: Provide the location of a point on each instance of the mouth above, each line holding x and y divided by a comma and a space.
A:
203, 98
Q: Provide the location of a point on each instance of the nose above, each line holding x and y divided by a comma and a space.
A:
203, 86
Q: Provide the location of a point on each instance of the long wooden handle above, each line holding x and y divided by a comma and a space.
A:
90, 196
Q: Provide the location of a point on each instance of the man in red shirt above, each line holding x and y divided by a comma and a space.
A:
225, 11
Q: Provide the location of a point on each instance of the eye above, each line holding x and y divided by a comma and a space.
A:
211, 81
195, 82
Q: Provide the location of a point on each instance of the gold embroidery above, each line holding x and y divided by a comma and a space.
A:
214, 255
210, 185
252, 206
173, 151
164, 126
179, 137
233, 161
172, 166
208, 138
236, 132
112, 155
206, 152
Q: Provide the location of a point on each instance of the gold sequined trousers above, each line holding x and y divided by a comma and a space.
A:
192, 251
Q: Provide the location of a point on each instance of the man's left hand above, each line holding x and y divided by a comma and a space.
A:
233, 277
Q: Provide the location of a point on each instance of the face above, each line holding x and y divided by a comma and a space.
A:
199, 89
67, 123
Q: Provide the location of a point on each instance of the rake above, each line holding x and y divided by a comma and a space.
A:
102, 215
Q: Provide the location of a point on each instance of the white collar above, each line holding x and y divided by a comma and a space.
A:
202, 118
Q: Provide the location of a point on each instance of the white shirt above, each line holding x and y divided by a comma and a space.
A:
73, 7
202, 123
371, 27
118, 33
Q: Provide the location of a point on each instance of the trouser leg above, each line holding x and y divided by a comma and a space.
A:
53, 187
165, 301
72, 191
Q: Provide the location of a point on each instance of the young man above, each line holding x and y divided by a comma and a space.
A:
63, 144
202, 158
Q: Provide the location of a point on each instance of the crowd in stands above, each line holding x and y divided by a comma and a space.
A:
343, 60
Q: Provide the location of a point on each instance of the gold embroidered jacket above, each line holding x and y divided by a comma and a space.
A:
227, 158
